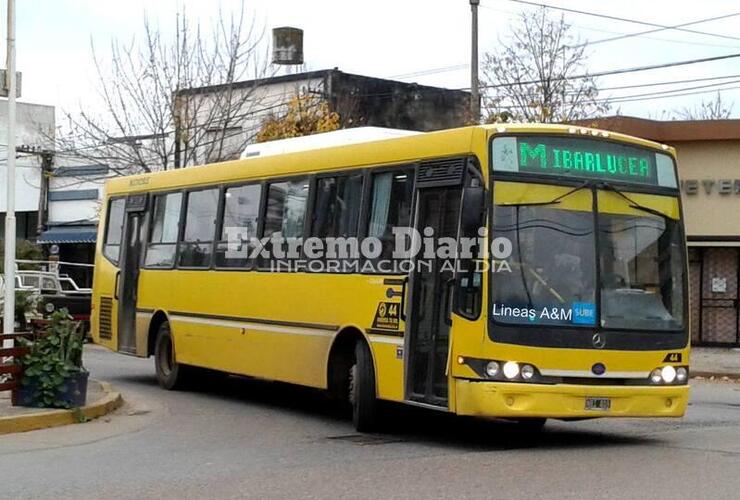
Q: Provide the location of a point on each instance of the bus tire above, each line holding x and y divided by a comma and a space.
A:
362, 390
171, 375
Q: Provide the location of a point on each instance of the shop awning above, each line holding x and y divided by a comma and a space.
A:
69, 234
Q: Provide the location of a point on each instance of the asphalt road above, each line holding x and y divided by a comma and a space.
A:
265, 440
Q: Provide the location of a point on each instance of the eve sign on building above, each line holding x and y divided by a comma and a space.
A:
583, 158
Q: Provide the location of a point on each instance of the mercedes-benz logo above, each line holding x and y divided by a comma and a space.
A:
598, 341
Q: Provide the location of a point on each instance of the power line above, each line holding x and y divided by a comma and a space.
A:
656, 30
620, 71
432, 71
657, 84
623, 19
621, 34
663, 95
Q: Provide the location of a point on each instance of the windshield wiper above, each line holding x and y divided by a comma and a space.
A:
633, 203
554, 201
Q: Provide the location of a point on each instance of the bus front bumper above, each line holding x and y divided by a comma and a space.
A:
519, 400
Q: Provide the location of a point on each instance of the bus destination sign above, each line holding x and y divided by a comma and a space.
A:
582, 158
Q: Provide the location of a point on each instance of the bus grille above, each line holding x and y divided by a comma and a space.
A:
448, 172
106, 312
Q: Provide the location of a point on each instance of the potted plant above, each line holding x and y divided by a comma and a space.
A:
53, 375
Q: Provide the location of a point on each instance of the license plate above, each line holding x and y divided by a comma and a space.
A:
598, 404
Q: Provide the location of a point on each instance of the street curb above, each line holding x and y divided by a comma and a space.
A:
715, 375
42, 420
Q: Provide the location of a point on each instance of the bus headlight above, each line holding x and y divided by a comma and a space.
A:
511, 369
492, 369
669, 374
527, 372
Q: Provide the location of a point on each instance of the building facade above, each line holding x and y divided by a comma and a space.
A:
359, 101
709, 168
34, 129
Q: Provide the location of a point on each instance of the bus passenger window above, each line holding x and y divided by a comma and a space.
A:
160, 251
338, 201
391, 197
114, 229
200, 228
284, 218
239, 226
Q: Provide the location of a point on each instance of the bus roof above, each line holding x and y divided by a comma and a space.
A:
327, 139
355, 153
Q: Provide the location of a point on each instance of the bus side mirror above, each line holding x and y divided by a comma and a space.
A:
472, 210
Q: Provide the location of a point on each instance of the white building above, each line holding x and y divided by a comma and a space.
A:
35, 128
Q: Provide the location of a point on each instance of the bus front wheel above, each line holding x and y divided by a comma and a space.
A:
362, 390
171, 375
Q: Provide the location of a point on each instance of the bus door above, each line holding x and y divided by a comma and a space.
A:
437, 212
127, 283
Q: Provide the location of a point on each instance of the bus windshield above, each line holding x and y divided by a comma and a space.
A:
565, 259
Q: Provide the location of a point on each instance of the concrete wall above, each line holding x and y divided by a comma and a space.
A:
710, 208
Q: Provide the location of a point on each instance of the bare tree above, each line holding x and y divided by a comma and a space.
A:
539, 74
713, 109
151, 115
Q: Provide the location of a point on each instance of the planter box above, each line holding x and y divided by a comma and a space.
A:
72, 392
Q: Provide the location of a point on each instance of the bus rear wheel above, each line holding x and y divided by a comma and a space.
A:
171, 375
362, 390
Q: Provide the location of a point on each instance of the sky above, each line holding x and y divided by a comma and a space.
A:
424, 41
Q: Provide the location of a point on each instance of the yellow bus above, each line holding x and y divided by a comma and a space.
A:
522, 272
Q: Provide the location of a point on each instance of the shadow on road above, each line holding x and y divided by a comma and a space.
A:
401, 423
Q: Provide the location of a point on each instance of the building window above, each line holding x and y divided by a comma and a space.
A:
200, 228
163, 238
114, 229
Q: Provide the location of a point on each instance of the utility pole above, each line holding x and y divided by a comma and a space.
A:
47, 161
474, 85
9, 306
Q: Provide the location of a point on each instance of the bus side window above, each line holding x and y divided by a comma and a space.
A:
241, 208
284, 218
336, 218
337, 210
114, 229
390, 207
200, 228
160, 251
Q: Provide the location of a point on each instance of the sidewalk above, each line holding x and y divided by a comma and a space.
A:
101, 399
717, 362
